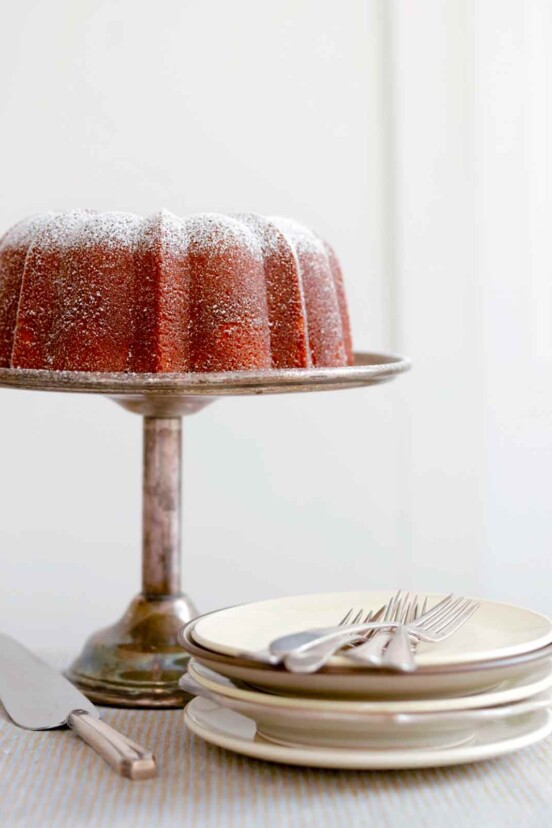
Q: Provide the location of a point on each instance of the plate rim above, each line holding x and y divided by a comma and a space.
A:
383, 707
388, 759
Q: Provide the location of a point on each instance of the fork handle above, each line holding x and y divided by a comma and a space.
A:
313, 659
398, 654
312, 638
371, 652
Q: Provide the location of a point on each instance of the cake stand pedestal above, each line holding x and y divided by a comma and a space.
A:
137, 661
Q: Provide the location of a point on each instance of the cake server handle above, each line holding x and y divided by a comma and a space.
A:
125, 756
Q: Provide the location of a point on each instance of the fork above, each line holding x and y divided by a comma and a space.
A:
276, 656
304, 639
440, 623
398, 654
371, 651
312, 658
295, 647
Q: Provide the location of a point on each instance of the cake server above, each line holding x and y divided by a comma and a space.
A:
37, 697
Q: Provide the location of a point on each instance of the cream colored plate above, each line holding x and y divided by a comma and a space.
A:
537, 680
232, 731
495, 631
375, 683
353, 725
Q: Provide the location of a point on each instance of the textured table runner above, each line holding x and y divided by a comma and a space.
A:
54, 779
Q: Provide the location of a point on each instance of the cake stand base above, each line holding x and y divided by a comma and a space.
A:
137, 662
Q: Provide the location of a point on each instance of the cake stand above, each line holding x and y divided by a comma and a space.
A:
137, 662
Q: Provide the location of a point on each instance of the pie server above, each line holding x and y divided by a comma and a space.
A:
37, 697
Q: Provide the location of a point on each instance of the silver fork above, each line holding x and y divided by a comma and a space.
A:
349, 618
401, 610
371, 651
399, 654
285, 644
444, 623
276, 656
296, 647
311, 658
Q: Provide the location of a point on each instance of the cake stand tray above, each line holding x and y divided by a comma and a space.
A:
137, 661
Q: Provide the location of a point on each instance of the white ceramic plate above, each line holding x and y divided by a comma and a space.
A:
370, 683
232, 731
495, 631
537, 680
356, 725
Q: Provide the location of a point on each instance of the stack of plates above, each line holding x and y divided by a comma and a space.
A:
484, 692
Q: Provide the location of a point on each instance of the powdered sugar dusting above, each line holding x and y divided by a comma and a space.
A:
173, 233
22, 233
111, 231
103, 291
266, 232
213, 230
203, 230
319, 288
56, 232
166, 230
198, 233
301, 238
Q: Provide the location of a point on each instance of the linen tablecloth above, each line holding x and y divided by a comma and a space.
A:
54, 779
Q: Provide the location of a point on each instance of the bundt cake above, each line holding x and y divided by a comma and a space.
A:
85, 291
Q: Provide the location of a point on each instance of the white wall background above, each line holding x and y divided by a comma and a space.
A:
414, 137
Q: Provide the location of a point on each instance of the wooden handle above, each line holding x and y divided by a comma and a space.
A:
124, 755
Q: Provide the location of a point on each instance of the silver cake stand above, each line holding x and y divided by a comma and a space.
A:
137, 662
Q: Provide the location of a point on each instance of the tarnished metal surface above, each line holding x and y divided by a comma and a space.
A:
368, 369
138, 661
161, 506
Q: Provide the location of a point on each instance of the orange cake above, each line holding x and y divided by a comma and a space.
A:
85, 291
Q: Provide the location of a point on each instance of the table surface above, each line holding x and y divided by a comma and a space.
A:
53, 779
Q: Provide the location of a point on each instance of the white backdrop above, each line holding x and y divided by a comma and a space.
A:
398, 131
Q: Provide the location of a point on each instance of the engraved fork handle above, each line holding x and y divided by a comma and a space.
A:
125, 756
